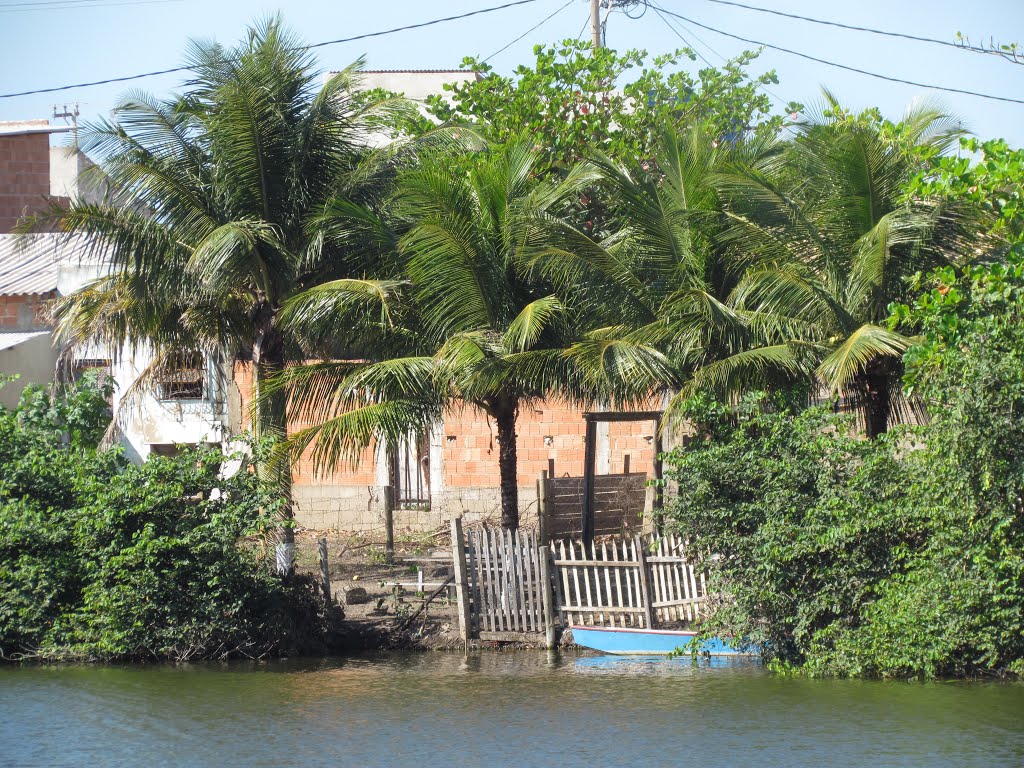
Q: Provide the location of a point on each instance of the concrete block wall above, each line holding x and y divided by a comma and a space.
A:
23, 312
24, 174
463, 466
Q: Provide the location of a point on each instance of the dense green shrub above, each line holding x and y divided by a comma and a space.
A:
902, 556
100, 559
796, 517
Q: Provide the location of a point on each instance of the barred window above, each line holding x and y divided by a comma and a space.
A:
185, 379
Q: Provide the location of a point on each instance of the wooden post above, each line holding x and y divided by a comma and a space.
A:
551, 468
659, 498
547, 600
645, 584
461, 579
325, 569
542, 507
389, 521
588, 480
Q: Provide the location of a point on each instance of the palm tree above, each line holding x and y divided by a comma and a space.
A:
660, 285
477, 328
221, 198
833, 239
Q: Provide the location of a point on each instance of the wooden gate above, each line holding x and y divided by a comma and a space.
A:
504, 583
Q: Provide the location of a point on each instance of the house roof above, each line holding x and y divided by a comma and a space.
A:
14, 127
28, 263
11, 339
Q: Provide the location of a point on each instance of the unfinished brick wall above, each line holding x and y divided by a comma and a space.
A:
545, 431
23, 312
345, 498
24, 175
632, 438
466, 448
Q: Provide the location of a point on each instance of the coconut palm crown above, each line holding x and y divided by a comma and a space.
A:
216, 222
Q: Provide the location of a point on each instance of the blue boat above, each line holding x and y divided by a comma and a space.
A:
648, 642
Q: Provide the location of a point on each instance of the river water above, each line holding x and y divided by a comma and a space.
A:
496, 709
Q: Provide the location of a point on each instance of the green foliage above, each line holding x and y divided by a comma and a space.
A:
78, 414
573, 100
796, 519
995, 184
901, 557
100, 559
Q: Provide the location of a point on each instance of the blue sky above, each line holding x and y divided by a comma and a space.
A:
49, 43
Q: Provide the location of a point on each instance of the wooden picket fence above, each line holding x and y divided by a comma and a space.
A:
510, 587
644, 581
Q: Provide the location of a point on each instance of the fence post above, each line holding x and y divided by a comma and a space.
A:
325, 569
547, 599
461, 579
590, 456
542, 507
389, 521
645, 584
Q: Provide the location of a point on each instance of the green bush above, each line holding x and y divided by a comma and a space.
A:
101, 559
896, 557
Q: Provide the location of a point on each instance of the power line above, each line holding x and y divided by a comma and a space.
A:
301, 48
854, 27
64, 6
679, 34
540, 24
672, 27
586, 24
841, 66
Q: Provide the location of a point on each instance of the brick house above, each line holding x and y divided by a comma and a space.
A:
453, 469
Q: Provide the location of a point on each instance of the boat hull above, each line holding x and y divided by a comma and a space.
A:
647, 642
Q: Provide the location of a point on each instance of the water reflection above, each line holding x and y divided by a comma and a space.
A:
517, 708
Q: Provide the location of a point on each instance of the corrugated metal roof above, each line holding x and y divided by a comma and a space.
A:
28, 263
11, 339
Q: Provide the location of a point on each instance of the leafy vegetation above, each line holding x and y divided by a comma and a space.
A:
218, 215
100, 559
902, 556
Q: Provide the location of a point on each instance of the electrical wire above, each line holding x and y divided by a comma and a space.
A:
584, 27
679, 34
301, 48
540, 24
760, 86
841, 66
47, 6
854, 27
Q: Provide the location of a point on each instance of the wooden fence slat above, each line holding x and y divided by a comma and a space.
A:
618, 584
488, 573
575, 573
502, 579
610, 599
566, 597
645, 588
513, 580
529, 624
586, 574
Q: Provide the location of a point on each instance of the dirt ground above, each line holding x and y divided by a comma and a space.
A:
380, 595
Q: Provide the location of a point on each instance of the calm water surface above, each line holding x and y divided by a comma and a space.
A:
518, 709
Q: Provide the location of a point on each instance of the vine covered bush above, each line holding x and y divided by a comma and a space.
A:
896, 557
102, 560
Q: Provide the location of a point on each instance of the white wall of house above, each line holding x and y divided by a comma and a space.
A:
33, 360
146, 420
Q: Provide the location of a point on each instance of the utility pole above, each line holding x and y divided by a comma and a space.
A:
595, 24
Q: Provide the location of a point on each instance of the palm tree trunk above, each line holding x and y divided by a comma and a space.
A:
504, 412
270, 422
874, 389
